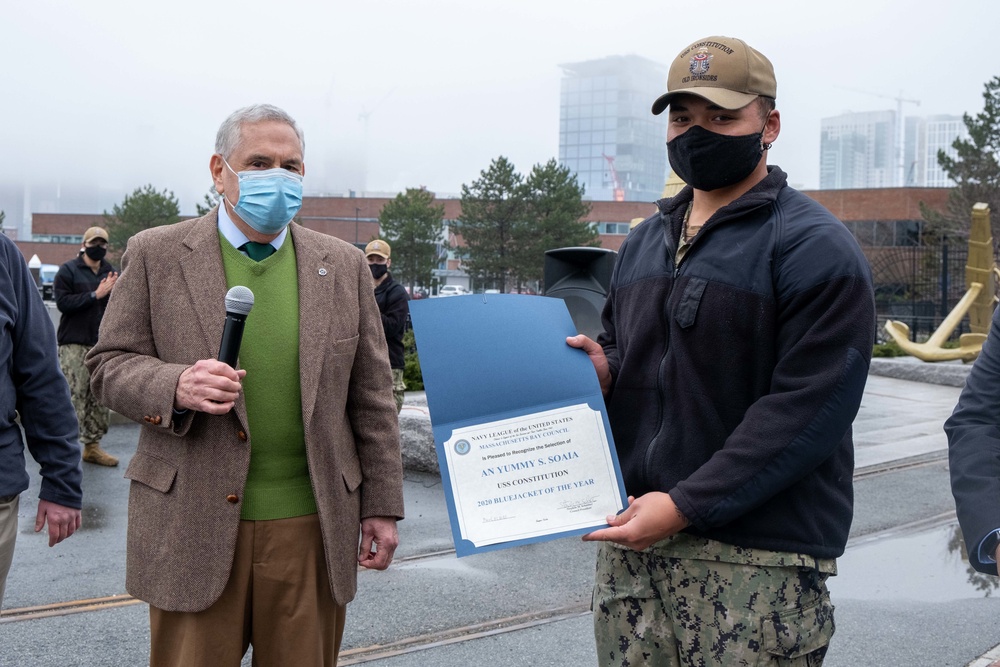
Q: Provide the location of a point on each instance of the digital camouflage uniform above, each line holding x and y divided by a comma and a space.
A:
737, 352
93, 417
75, 289
398, 388
694, 602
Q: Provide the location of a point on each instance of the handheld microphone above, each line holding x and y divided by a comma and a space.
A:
239, 301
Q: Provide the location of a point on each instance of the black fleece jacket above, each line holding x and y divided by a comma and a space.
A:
82, 312
393, 304
736, 375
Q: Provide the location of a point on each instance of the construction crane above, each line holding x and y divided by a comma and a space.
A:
900, 133
618, 190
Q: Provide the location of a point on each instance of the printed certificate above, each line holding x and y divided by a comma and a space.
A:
543, 473
522, 435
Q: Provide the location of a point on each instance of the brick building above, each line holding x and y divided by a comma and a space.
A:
58, 237
888, 224
356, 219
882, 217
879, 218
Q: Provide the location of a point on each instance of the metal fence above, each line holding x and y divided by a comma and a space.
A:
919, 285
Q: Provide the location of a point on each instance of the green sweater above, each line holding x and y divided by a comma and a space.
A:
278, 485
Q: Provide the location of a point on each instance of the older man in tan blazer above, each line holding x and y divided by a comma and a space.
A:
250, 486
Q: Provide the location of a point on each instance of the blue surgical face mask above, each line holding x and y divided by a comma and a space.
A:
269, 198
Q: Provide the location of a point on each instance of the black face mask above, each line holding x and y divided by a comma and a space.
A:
378, 270
96, 253
706, 160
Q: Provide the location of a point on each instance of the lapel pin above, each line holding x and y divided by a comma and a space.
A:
322, 272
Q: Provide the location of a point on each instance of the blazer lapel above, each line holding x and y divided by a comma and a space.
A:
316, 275
205, 279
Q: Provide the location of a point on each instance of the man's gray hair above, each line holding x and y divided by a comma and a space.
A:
229, 136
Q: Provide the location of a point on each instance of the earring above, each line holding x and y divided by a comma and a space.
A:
766, 146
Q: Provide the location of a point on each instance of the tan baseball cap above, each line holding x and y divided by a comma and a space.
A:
94, 233
723, 70
378, 247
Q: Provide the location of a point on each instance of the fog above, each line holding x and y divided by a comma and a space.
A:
98, 98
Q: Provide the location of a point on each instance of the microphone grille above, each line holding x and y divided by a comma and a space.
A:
239, 299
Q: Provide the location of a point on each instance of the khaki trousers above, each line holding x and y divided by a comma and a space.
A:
8, 533
277, 599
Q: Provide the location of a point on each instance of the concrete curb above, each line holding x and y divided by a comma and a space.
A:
416, 439
950, 374
989, 659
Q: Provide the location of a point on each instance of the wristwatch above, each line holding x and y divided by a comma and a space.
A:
93, 295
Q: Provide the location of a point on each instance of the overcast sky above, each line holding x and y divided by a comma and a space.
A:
394, 94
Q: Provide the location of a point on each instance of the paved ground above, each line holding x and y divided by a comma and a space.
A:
904, 595
899, 419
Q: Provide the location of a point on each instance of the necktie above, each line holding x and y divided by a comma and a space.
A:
257, 251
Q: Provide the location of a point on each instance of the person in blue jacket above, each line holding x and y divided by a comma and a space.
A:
33, 388
738, 330
974, 455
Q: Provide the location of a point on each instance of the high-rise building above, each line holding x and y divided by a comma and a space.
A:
925, 136
941, 132
858, 150
608, 136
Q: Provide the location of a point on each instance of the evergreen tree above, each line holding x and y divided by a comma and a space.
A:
413, 225
142, 209
494, 209
975, 170
210, 201
555, 212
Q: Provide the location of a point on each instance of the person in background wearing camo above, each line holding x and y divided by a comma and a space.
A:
393, 304
738, 331
82, 288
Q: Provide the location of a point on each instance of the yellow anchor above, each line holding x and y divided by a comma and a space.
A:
981, 276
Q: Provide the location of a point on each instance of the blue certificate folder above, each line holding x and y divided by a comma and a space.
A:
490, 357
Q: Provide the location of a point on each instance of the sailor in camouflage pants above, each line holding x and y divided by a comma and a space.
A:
93, 417
398, 388
694, 602
733, 358
82, 288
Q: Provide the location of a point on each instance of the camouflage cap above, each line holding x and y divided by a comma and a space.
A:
723, 70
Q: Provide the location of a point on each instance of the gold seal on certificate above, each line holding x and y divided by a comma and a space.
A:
531, 476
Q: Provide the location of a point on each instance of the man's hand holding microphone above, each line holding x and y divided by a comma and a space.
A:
213, 385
